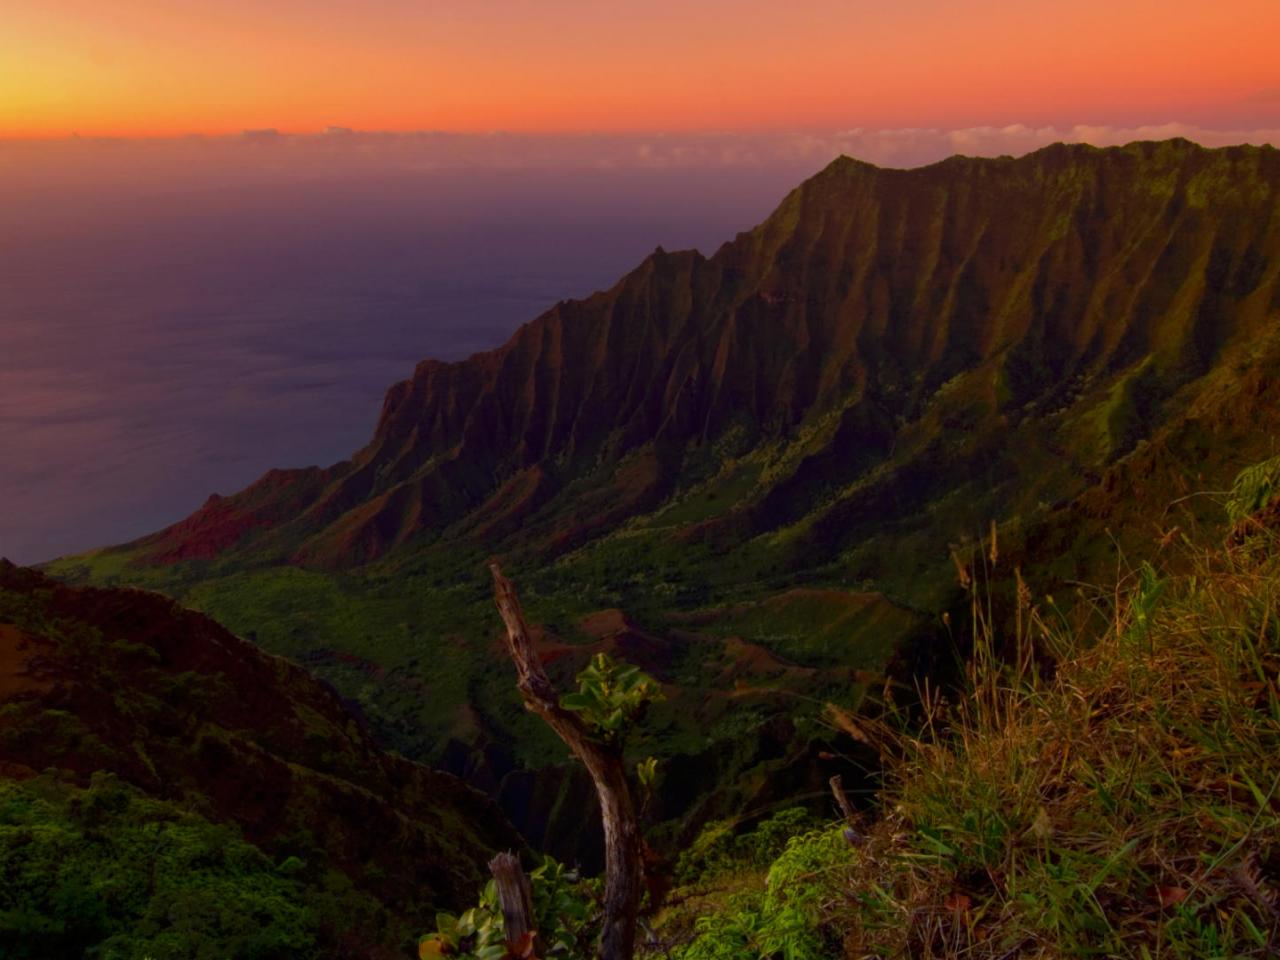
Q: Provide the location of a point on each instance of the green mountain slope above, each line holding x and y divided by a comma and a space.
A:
130, 728
764, 459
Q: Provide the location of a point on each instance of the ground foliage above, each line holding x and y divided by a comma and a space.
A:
1110, 790
1104, 785
108, 872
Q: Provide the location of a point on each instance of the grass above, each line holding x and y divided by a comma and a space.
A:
1107, 787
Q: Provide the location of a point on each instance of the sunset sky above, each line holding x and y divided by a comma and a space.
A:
170, 67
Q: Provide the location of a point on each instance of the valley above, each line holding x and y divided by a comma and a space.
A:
753, 473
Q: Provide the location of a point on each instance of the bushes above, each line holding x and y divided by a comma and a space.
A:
566, 909
719, 848
1107, 793
1125, 803
107, 872
783, 918
786, 919
1127, 807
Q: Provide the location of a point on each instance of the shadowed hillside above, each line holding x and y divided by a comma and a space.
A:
123, 687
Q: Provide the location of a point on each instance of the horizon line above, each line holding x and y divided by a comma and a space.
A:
339, 131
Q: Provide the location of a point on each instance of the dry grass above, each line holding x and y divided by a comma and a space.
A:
1122, 802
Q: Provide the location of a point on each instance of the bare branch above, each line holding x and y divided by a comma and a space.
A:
622, 846
842, 800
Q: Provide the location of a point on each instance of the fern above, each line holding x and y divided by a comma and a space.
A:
1255, 487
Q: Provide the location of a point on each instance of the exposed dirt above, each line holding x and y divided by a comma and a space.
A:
20, 671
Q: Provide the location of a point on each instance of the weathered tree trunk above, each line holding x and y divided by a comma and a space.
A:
604, 764
516, 899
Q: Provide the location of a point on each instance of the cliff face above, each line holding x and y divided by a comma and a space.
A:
166, 700
913, 318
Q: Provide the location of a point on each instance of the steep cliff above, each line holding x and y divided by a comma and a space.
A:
879, 341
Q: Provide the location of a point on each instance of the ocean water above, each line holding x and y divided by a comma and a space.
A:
156, 347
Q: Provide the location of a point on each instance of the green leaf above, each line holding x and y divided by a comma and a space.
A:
647, 772
577, 702
447, 924
467, 923
447, 928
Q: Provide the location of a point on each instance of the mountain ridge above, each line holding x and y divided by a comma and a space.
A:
488, 433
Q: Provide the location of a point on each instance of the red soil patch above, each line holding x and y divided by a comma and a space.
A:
17, 651
604, 623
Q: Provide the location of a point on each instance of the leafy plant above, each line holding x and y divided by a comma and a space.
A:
647, 780
566, 909
1143, 602
610, 696
647, 773
786, 919
1254, 488
719, 849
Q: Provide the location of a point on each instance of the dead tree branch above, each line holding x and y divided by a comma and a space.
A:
605, 765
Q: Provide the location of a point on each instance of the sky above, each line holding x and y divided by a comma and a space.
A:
131, 68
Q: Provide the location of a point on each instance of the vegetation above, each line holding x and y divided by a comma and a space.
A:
1256, 487
109, 873
610, 697
567, 910
1109, 787
721, 849
593, 729
1111, 791
201, 791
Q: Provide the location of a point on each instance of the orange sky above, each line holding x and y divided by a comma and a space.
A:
163, 67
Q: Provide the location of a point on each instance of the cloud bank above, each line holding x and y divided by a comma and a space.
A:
340, 153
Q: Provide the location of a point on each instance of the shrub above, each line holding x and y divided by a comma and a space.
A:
1124, 802
566, 909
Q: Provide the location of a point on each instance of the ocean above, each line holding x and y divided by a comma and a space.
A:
157, 346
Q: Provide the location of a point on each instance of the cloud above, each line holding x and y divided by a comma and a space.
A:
211, 161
